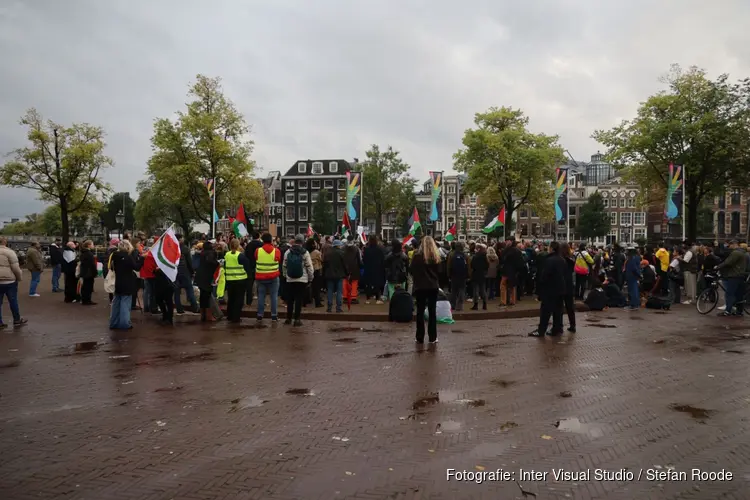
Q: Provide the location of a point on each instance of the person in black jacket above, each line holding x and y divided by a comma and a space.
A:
479, 267
123, 264
334, 271
88, 273
353, 263
184, 279
204, 280
250, 249
552, 291
512, 269
373, 278
425, 270
396, 267
618, 263
567, 254
56, 261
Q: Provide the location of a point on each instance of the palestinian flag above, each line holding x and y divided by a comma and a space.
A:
451, 234
166, 252
239, 226
345, 225
409, 240
414, 224
495, 223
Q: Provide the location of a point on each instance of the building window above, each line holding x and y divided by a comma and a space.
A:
639, 233
631, 202
314, 196
533, 213
473, 212
302, 184
722, 202
622, 202
333, 167
605, 201
472, 225
315, 184
735, 223
613, 218
523, 213
328, 184
340, 213
289, 213
626, 218
290, 197
302, 213
451, 221
302, 198
547, 228
451, 204
735, 200
473, 199
290, 230
329, 196
289, 185
639, 218
451, 189
341, 195
524, 229
721, 224
302, 167
341, 184
462, 212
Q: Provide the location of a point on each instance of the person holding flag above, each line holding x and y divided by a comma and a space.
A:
414, 226
451, 234
166, 252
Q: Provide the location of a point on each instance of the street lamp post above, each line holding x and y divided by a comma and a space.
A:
120, 218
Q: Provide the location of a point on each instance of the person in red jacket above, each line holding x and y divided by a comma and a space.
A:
147, 274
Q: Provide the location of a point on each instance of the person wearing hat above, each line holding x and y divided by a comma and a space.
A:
334, 271
298, 271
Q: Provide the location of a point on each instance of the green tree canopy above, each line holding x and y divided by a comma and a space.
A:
593, 221
506, 163
699, 123
63, 164
323, 218
210, 140
114, 206
386, 183
158, 207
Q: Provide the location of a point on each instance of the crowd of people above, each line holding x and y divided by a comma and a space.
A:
331, 271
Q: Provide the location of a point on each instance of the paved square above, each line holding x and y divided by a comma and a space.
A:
356, 410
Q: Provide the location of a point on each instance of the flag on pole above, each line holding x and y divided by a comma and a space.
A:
216, 216
166, 252
451, 234
414, 223
239, 225
362, 235
495, 223
345, 225
209, 183
310, 231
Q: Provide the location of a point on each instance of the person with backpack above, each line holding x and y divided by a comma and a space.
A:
396, 266
298, 271
458, 272
582, 268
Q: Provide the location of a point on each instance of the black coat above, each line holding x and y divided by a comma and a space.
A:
552, 279
512, 262
125, 265
352, 261
185, 266
479, 266
250, 249
396, 267
334, 267
88, 264
55, 255
374, 262
424, 275
204, 276
571, 263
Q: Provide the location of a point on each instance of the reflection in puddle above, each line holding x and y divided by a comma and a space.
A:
300, 392
247, 402
346, 340
700, 414
502, 382
387, 355
449, 426
601, 325
338, 329
574, 425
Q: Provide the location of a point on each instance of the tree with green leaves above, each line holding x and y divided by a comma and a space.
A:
51, 221
63, 164
210, 140
158, 207
323, 219
32, 225
386, 183
593, 221
507, 165
113, 207
699, 123
465, 226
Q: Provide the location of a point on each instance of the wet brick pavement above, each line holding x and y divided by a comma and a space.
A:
337, 410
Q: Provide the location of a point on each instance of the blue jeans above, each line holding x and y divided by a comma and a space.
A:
734, 292
270, 287
10, 290
56, 271
184, 281
334, 286
36, 277
633, 293
119, 315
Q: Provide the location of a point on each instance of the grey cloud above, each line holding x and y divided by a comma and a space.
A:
328, 78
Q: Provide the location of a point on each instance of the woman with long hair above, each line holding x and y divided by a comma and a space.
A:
123, 263
425, 270
492, 271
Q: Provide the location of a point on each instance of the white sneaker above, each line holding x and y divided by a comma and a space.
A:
722, 308
687, 302
379, 302
469, 300
34, 295
367, 302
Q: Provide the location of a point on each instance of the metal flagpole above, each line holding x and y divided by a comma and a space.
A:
567, 207
684, 215
213, 218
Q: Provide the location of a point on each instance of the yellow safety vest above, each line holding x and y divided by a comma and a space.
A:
234, 270
266, 265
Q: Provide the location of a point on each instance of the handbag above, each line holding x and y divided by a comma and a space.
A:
109, 282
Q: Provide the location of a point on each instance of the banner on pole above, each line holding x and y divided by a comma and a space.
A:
436, 208
675, 192
353, 195
561, 194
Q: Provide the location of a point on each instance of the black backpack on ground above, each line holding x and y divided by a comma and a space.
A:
401, 308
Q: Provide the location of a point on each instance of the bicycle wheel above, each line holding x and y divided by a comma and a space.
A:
707, 300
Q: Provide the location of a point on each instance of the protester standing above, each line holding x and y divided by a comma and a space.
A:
425, 270
111, 250
35, 264
396, 267
70, 262
10, 276
552, 292
374, 272
184, 278
267, 263
55, 260
458, 273
124, 264
88, 273
569, 300
313, 247
235, 267
479, 267
353, 263
298, 271
632, 277
204, 280
334, 271
583, 265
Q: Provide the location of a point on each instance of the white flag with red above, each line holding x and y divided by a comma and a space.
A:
166, 252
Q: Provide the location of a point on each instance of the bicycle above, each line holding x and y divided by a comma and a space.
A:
709, 298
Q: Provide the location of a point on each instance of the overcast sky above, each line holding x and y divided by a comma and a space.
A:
326, 78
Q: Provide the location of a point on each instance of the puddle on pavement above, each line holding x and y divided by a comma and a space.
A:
695, 348
700, 414
247, 402
446, 396
346, 340
300, 392
574, 425
601, 325
449, 426
502, 382
735, 351
254, 326
458, 331
10, 364
85, 346
501, 335
172, 388
483, 353
372, 330
387, 355
565, 394
505, 427
339, 329
201, 356
426, 401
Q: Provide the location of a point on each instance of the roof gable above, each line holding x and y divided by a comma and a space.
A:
343, 167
